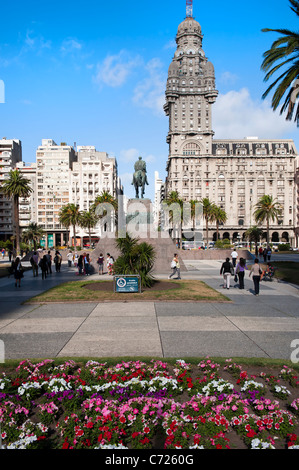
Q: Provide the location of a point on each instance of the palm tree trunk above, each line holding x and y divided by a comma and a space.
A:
17, 226
207, 231
89, 234
268, 232
75, 237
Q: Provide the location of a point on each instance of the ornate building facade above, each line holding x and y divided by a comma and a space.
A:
232, 173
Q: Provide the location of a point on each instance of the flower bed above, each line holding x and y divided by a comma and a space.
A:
153, 405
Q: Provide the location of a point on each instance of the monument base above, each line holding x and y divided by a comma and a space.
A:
140, 224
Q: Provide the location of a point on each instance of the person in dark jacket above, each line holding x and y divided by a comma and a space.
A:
227, 270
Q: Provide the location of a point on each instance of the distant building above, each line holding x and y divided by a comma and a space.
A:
233, 173
28, 205
10, 155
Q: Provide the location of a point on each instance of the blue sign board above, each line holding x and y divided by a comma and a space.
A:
127, 283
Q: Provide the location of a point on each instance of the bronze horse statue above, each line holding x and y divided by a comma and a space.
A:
139, 181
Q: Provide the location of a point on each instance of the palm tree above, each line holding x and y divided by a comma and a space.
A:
267, 209
176, 216
33, 233
88, 220
105, 198
284, 52
14, 187
208, 214
135, 258
70, 215
254, 234
220, 217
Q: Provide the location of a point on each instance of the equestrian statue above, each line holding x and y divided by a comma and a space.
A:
139, 177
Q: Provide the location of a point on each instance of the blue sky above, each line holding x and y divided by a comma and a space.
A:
95, 73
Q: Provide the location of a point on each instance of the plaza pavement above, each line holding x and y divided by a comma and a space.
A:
247, 326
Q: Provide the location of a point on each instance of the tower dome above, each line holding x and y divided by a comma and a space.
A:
189, 26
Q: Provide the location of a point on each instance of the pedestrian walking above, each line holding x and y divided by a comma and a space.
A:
17, 270
49, 262
174, 266
265, 255
100, 262
256, 276
227, 270
234, 256
240, 271
43, 264
76, 258
3, 253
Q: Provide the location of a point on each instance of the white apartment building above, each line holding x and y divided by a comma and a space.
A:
28, 205
92, 173
232, 173
53, 167
10, 155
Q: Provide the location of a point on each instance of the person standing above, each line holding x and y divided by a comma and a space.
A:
269, 253
57, 261
234, 256
226, 270
43, 264
265, 255
110, 261
17, 271
49, 262
35, 258
256, 276
80, 264
87, 264
69, 258
240, 271
101, 263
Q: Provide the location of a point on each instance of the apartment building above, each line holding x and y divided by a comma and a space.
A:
28, 205
53, 167
92, 173
10, 155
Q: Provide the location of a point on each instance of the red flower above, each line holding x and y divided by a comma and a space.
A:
251, 433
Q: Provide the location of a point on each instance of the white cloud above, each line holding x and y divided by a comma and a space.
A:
129, 155
115, 69
237, 115
69, 46
228, 78
150, 92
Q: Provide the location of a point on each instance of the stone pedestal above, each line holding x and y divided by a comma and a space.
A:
139, 223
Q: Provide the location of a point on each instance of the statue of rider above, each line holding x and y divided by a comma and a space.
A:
140, 166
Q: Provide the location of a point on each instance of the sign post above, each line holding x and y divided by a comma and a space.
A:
127, 283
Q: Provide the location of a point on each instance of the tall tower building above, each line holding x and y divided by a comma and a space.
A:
190, 93
233, 173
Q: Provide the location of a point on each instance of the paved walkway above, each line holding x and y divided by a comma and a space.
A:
248, 326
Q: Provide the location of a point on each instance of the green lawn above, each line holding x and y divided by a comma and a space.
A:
287, 271
103, 291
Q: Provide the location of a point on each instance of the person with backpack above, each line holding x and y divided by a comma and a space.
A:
101, 263
17, 271
57, 261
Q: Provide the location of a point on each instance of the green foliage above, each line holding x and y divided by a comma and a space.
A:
135, 258
284, 247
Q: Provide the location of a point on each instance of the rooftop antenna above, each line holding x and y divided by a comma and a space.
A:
189, 8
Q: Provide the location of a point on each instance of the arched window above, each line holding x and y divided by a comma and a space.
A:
191, 149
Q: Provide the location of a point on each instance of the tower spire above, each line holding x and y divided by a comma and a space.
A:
189, 8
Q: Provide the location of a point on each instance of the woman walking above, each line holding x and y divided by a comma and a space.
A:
240, 271
43, 264
227, 270
18, 271
256, 276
